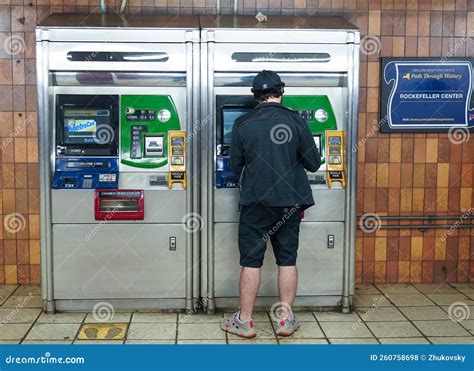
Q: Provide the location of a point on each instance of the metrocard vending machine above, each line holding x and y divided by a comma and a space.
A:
317, 58
116, 102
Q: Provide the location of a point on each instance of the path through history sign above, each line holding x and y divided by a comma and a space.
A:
427, 94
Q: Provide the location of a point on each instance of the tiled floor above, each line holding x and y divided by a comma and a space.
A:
386, 314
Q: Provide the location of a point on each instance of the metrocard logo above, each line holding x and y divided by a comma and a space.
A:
82, 126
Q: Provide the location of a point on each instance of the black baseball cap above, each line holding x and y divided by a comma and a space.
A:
266, 80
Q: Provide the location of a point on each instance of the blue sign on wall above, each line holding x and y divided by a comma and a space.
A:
426, 94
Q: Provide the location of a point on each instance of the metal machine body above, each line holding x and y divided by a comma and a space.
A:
113, 94
317, 58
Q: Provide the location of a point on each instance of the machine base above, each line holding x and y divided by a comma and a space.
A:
121, 305
308, 303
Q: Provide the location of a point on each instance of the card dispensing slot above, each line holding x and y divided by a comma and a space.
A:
119, 205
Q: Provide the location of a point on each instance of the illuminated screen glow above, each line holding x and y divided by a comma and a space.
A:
80, 126
229, 116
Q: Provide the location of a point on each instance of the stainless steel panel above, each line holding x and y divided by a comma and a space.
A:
350, 232
239, 22
226, 205
58, 59
189, 172
207, 188
204, 134
120, 304
107, 78
129, 35
275, 37
77, 207
225, 61
123, 261
313, 302
194, 138
45, 135
115, 28
113, 20
290, 79
319, 268
329, 205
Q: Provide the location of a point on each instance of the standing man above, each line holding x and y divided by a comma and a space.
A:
271, 148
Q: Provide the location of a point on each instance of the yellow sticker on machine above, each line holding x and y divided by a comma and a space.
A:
103, 331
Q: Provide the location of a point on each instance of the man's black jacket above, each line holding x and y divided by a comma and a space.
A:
271, 148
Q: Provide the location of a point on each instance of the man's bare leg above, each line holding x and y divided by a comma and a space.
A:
249, 284
287, 285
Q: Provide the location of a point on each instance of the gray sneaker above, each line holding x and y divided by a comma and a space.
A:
234, 325
286, 327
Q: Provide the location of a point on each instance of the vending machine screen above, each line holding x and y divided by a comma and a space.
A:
86, 125
229, 117
80, 126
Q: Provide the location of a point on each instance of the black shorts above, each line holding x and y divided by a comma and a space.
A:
259, 224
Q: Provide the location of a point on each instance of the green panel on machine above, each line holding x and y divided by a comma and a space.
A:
318, 113
144, 125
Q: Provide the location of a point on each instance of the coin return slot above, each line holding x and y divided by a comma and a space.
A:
118, 205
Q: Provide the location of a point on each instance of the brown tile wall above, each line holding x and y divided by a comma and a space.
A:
399, 174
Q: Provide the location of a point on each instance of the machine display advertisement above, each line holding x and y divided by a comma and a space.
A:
80, 126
